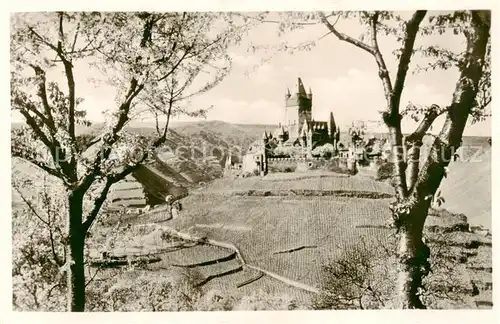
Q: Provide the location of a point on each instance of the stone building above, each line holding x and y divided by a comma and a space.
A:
298, 131
299, 128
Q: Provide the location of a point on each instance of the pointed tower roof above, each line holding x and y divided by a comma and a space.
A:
332, 121
301, 90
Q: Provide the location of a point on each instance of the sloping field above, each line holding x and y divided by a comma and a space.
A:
292, 236
467, 188
262, 227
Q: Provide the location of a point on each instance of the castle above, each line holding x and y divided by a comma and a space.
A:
298, 127
297, 136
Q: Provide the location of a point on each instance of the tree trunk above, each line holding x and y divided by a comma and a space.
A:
410, 213
75, 257
413, 254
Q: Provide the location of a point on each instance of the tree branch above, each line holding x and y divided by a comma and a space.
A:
391, 116
383, 72
110, 138
42, 93
51, 46
301, 23
414, 144
57, 259
450, 137
412, 27
172, 70
30, 120
426, 122
68, 68
344, 37
30, 206
87, 224
128, 170
20, 154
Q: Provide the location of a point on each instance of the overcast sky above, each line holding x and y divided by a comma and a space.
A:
343, 79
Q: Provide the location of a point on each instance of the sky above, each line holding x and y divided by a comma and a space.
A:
343, 80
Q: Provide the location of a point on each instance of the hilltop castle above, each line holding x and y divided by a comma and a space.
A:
298, 126
296, 137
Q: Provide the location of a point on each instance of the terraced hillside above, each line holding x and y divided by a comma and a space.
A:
288, 226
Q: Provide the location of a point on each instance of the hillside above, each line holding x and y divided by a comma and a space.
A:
196, 151
289, 226
467, 188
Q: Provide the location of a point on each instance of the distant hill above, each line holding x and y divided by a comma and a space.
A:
193, 152
196, 151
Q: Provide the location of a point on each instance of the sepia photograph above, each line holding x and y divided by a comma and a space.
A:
188, 161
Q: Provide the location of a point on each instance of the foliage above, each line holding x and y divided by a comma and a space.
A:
215, 300
324, 151
361, 278
260, 300
286, 151
154, 61
170, 291
385, 171
283, 167
38, 249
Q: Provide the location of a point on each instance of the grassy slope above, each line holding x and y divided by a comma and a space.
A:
467, 188
260, 226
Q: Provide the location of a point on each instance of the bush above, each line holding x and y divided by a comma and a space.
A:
361, 278
215, 300
144, 291
284, 168
260, 300
385, 171
341, 170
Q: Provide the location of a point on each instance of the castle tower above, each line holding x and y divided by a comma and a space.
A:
298, 108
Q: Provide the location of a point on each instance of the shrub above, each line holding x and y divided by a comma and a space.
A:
142, 291
283, 167
215, 300
341, 170
361, 278
260, 300
385, 171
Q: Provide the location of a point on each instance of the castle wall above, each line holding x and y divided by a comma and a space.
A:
304, 165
